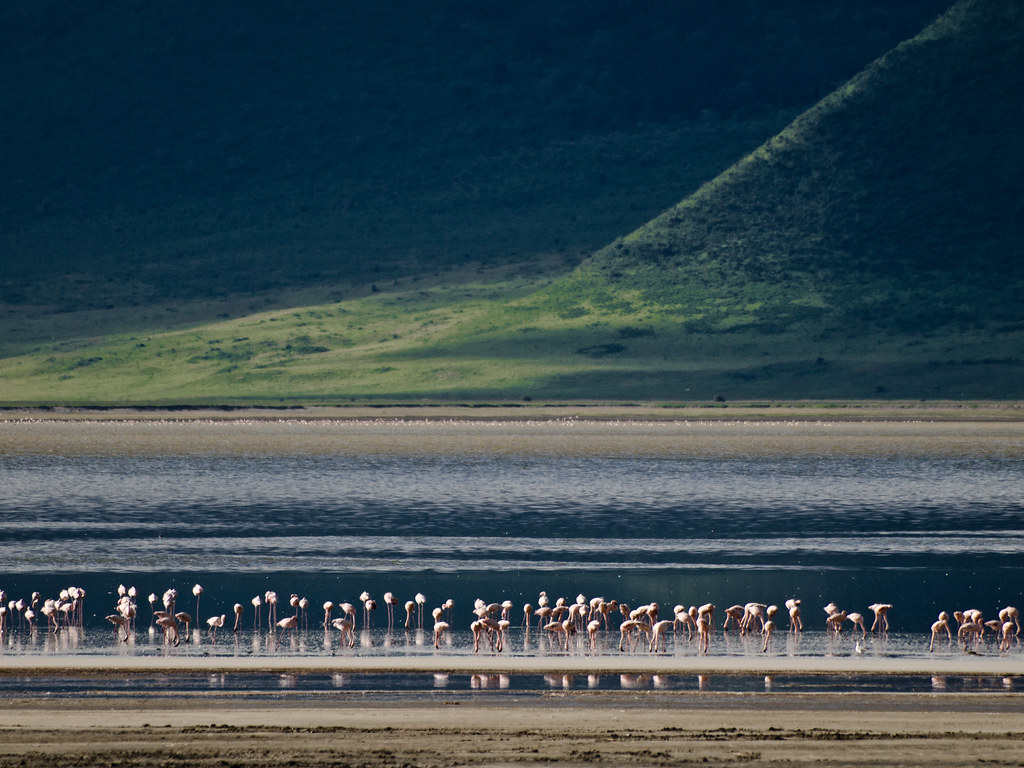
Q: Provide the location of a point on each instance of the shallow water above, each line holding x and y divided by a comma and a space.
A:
926, 516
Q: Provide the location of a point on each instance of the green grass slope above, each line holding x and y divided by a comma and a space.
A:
870, 250
881, 231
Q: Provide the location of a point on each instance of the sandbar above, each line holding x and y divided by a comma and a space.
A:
559, 728
1008, 665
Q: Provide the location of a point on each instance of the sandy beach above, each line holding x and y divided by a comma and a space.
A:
577, 729
1002, 665
143, 726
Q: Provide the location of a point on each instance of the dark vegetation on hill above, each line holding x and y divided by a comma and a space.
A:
892, 207
170, 151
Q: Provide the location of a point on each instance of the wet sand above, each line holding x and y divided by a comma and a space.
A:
557, 729
142, 727
1009, 664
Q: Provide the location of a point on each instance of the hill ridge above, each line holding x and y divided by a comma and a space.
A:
719, 217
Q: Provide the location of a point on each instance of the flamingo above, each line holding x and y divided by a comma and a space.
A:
708, 612
658, 631
238, 615
493, 629
49, 610
940, 625
767, 630
421, 599
169, 624
410, 607
289, 622
215, 623
627, 629
256, 604
152, 607
543, 614
197, 590
835, 621
390, 601
328, 607
1007, 633
527, 614
858, 621
881, 621
1009, 613
477, 628
348, 611
347, 628
704, 631
735, 614
564, 628
795, 624
133, 594
270, 598
184, 618
120, 623
752, 612
592, 628
684, 618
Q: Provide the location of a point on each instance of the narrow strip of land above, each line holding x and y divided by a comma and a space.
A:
619, 729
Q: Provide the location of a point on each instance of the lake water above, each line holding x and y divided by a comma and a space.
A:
925, 516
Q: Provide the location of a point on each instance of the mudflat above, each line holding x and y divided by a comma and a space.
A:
563, 728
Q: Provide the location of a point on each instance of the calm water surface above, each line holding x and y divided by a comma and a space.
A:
926, 516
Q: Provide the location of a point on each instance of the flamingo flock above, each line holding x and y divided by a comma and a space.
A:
67, 610
561, 620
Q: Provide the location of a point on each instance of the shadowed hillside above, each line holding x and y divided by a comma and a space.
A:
158, 152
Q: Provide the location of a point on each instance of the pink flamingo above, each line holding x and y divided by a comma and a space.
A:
940, 625
347, 629
215, 623
1009, 613
440, 627
881, 611
390, 601
734, 614
120, 623
256, 604
795, 623
767, 630
658, 631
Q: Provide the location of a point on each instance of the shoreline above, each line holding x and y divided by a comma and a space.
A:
1008, 667
866, 411
916, 730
